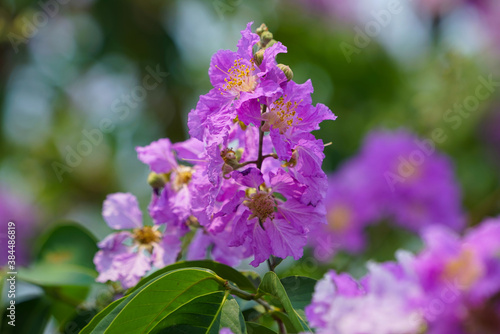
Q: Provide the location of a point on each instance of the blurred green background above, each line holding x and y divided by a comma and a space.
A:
72, 68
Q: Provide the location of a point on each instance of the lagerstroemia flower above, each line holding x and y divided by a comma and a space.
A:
249, 180
254, 113
126, 256
452, 286
237, 81
396, 177
415, 183
170, 203
386, 301
462, 274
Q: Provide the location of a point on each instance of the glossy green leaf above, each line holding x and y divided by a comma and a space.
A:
272, 286
204, 314
100, 316
189, 300
226, 272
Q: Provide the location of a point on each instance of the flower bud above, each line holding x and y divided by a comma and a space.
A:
258, 57
156, 181
261, 29
286, 69
270, 43
266, 37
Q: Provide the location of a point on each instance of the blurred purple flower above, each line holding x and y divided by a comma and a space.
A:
415, 184
397, 177
386, 301
452, 286
461, 278
14, 208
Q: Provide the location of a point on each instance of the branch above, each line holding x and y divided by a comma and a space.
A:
248, 296
272, 155
260, 158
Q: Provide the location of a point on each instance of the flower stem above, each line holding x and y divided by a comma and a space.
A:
273, 262
248, 296
281, 325
260, 158
272, 155
269, 264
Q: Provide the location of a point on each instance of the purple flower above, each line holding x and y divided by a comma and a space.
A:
452, 286
253, 117
292, 116
397, 177
158, 155
22, 214
172, 204
237, 81
415, 184
461, 277
386, 301
127, 256
225, 331
257, 215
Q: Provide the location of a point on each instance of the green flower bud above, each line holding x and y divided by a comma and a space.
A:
261, 29
266, 37
156, 181
286, 69
270, 43
258, 57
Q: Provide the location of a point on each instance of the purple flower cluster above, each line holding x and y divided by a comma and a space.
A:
248, 181
452, 286
396, 177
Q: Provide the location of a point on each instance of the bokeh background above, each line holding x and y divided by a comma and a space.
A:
73, 103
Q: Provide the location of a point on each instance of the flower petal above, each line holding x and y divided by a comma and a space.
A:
121, 211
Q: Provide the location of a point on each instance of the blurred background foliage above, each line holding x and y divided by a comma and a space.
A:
62, 75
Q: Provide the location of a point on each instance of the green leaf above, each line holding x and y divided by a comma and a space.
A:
100, 316
226, 272
45, 274
189, 300
205, 314
286, 320
232, 317
300, 290
67, 243
272, 286
254, 328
